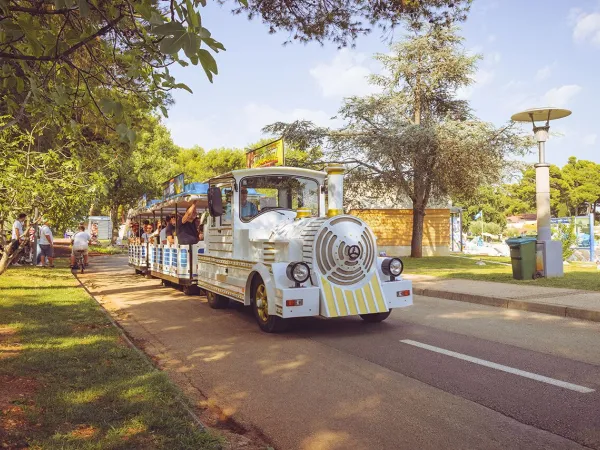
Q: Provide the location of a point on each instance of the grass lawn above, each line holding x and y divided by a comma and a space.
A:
577, 275
68, 380
106, 250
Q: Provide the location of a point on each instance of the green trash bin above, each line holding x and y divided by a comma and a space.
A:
522, 257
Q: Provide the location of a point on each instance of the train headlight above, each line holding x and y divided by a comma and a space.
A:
392, 267
298, 272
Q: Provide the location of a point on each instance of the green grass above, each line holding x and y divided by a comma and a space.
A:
92, 391
577, 275
107, 250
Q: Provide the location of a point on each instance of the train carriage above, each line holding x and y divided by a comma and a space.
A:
276, 239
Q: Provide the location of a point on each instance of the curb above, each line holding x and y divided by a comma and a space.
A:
508, 303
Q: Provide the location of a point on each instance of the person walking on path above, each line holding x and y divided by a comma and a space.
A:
46, 244
17, 235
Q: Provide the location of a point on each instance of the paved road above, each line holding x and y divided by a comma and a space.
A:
438, 375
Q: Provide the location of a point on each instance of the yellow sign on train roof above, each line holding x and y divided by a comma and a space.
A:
269, 155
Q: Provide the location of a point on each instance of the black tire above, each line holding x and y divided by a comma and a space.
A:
216, 301
190, 289
266, 322
375, 317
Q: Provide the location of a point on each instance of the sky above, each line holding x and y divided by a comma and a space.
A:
535, 53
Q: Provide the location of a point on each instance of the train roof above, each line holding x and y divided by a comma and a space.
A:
274, 170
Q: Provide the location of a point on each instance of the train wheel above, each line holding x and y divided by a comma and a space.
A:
216, 301
260, 305
375, 317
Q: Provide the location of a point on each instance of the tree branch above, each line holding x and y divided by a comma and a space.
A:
67, 52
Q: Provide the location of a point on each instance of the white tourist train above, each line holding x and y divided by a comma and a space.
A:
272, 243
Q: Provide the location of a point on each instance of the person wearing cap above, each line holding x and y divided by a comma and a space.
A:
46, 244
247, 209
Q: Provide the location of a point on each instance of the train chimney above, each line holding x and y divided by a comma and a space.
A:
335, 189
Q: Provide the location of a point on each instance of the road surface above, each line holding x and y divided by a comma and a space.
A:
441, 374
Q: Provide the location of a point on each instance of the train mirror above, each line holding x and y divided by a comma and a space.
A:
215, 204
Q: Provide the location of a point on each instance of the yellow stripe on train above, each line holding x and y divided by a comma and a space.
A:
340, 302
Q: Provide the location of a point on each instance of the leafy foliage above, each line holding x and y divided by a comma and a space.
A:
574, 190
341, 21
415, 140
568, 237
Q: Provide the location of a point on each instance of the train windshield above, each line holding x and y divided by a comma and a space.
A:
263, 193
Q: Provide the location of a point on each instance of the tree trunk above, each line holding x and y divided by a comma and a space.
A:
4, 261
7, 258
416, 244
114, 217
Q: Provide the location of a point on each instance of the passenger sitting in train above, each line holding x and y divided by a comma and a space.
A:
162, 235
147, 237
133, 234
170, 231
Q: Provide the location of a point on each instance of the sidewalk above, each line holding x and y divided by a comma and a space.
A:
559, 302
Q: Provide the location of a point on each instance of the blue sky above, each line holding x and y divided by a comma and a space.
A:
536, 53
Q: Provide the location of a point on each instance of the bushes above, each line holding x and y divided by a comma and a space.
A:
568, 237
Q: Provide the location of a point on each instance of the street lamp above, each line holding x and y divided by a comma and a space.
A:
551, 250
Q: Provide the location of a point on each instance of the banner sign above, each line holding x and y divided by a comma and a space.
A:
269, 155
173, 187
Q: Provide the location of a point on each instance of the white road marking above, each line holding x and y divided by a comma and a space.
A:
483, 362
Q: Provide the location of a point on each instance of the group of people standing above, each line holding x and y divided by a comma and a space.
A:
45, 241
175, 229
79, 241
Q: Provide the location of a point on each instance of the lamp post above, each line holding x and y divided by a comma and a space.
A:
551, 250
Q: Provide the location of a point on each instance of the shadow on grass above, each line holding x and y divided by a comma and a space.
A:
93, 390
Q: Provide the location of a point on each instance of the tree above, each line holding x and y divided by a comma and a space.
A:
584, 177
140, 172
490, 199
126, 46
199, 165
524, 192
340, 20
415, 140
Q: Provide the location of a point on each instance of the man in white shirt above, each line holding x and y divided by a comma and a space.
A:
17, 234
46, 244
80, 241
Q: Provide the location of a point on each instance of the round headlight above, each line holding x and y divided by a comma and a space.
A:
392, 266
298, 272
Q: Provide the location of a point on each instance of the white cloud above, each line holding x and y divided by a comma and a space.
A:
589, 139
344, 76
561, 96
203, 132
493, 57
514, 85
544, 73
481, 78
586, 26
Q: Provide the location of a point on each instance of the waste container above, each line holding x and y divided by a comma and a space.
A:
522, 257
